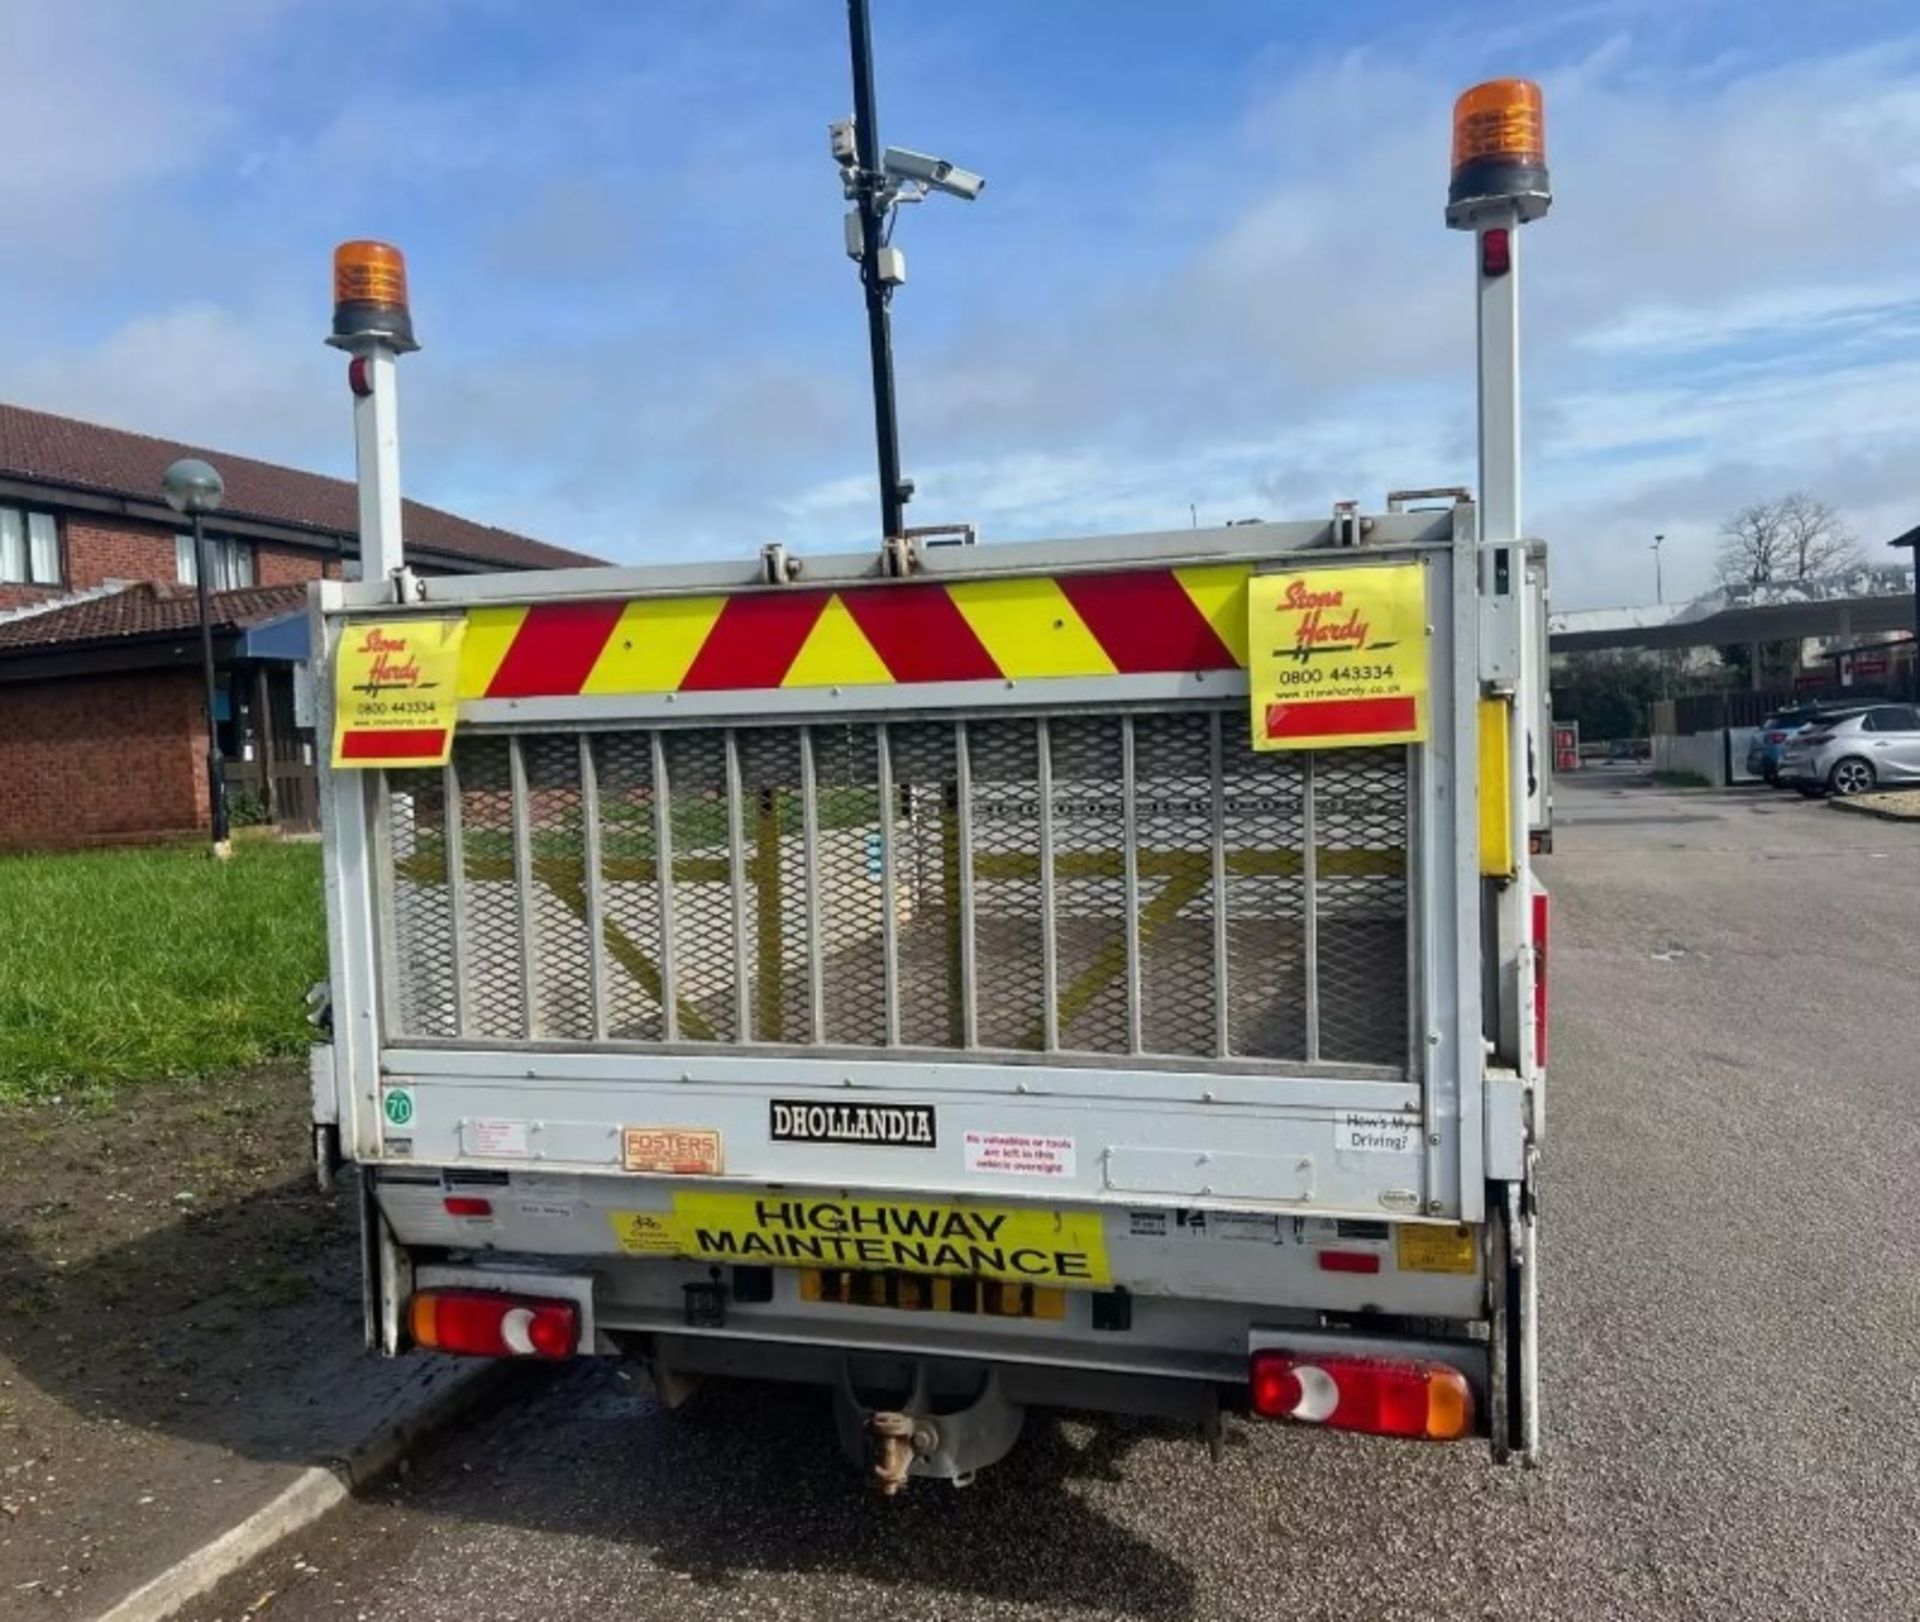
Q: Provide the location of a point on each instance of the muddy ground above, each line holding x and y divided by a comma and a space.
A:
179, 1330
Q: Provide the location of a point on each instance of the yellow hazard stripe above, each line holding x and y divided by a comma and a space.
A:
1219, 591
490, 632
654, 644
836, 653
1029, 628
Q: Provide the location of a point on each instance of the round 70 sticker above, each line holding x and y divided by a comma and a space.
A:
397, 1103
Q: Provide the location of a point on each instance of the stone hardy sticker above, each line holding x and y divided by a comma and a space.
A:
894, 1126
1338, 655
395, 693
956, 1241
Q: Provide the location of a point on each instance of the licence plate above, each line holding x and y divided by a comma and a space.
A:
922, 1292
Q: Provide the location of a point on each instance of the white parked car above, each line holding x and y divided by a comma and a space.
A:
1851, 754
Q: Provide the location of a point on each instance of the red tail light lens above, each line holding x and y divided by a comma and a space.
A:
1542, 918
1776, 737
467, 1205
1381, 1396
479, 1323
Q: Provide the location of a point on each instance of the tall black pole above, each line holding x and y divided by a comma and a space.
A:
216, 766
866, 130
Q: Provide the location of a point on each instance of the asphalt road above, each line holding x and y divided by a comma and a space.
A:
1732, 1345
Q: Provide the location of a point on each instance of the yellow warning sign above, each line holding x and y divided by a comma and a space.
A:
645, 1233
1420, 1249
1338, 655
395, 692
1019, 1246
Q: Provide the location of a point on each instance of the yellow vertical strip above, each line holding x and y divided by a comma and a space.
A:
1496, 814
836, 653
490, 632
1029, 628
1219, 591
653, 645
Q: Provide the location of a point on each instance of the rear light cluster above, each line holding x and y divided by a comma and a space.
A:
1381, 1396
1542, 927
1776, 737
480, 1323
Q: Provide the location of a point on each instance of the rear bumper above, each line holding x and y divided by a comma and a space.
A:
1163, 1357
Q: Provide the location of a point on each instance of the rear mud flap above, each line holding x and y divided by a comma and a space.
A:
386, 1276
1513, 1283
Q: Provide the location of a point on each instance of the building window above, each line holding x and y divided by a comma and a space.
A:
232, 563
29, 548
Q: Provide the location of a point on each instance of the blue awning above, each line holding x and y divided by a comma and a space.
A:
284, 639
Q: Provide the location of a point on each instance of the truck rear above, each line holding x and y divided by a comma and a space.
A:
923, 985
1104, 974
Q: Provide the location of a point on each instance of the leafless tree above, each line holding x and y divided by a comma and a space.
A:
1791, 537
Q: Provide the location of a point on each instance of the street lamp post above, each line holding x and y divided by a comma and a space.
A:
1659, 590
1910, 542
194, 488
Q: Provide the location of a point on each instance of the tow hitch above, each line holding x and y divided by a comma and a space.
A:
894, 1441
954, 1422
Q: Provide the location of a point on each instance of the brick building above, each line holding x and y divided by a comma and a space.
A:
102, 727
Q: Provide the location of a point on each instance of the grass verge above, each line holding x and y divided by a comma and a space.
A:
120, 966
1681, 780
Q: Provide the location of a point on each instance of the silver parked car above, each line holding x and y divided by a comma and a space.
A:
1852, 753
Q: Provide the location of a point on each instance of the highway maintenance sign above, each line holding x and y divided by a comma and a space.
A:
1014, 1244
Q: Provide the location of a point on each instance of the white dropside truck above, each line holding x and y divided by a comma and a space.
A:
1104, 973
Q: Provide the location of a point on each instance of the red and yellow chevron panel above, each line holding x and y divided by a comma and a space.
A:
1131, 622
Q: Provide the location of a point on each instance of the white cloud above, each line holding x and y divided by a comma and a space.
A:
648, 346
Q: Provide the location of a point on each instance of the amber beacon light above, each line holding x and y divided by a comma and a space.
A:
1499, 152
370, 296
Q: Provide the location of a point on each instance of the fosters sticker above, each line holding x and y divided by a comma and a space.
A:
395, 692
1338, 656
959, 1241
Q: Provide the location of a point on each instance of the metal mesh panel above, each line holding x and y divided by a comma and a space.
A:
1264, 904
495, 993
846, 763
630, 885
705, 970
926, 884
1089, 884
1006, 882
1173, 809
774, 826
563, 973
1265, 901
1360, 902
422, 905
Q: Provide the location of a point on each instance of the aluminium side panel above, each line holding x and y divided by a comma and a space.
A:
354, 955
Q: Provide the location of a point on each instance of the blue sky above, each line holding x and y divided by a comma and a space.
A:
1209, 266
